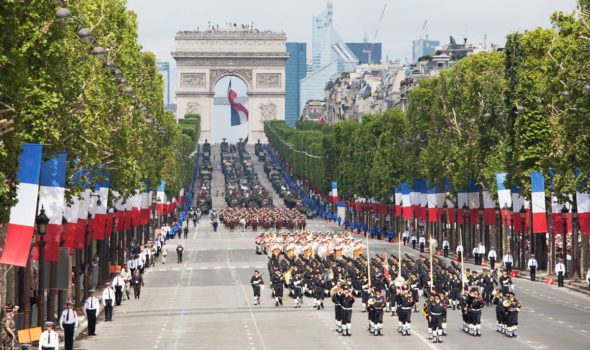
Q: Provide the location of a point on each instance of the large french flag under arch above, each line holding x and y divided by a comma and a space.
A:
239, 113
22, 215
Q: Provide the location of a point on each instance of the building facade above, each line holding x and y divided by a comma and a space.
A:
362, 50
295, 71
164, 69
423, 47
204, 57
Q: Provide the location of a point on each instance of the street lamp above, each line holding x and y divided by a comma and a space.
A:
498, 237
522, 238
99, 52
445, 214
564, 211
85, 34
63, 13
41, 221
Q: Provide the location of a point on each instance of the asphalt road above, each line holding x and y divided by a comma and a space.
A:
205, 302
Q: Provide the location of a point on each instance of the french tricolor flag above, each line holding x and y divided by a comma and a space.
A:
83, 211
556, 206
334, 196
398, 201
504, 198
22, 215
463, 199
181, 195
538, 202
161, 196
452, 212
52, 199
99, 212
518, 203
583, 202
406, 201
436, 199
239, 113
135, 208
473, 201
489, 209
71, 214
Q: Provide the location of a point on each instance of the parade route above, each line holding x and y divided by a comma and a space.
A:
206, 303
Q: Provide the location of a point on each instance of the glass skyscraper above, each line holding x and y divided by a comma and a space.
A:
360, 50
423, 47
330, 56
295, 70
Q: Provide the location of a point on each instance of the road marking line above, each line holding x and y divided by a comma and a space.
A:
218, 267
175, 269
204, 268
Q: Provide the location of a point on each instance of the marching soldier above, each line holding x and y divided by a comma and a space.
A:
405, 304
346, 302
376, 305
436, 310
256, 282
475, 306
336, 296
69, 323
512, 310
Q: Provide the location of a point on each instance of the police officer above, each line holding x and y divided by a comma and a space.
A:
422, 242
532, 264
446, 246
91, 307
69, 323
108, 297
119, 284
179, 250
508, 261
256, 282
492, 256
560, 271
49, 339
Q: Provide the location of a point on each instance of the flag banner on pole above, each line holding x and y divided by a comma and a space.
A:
161, 197
120, 208
71, 213
538, 202
504, 199
135, 207
239, 113
109, 221
52, 199
489, 209
99, 212
398, 201
334, 192
557, 206
452, 212
583, 203
406, 201
181, 195
473, 190
83, 212
518, 203
436, 199
463, 199
22, 215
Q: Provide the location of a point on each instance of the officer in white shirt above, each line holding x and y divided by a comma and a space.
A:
459, 251
508, 261
446, 246
69, 323
560, 271
476, 255
492, 257
422, 242
132, 265
406, 237
49, 339
119, 284
91, 307
108, 297
533, 265
413, 240
126, 274
481, 250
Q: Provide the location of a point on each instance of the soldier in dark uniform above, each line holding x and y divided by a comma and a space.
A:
318, 291
474, 313
405, 304
346, 302
436, 310
487, 285
256, 282
277, 286
336, 295
512, 309
376, 305
498, 300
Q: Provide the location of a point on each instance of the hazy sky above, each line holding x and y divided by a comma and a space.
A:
159, 20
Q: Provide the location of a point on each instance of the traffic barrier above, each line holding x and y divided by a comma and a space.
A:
550, 281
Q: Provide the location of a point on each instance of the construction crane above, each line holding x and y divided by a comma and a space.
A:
425, 30
369, 50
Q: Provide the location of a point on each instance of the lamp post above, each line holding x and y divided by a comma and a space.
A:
445, 214
505, 230
575, 251
481, 228
41, 221
153, 221
564, 211
498, 236
521, 262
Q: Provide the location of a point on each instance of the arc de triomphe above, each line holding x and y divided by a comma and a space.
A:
203, 57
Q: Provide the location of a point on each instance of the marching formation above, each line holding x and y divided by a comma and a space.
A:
265, 218
332, 265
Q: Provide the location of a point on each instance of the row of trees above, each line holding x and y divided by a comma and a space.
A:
102, 107
525, 109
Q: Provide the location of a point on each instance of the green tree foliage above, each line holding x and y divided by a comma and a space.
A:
521, 110
58, 94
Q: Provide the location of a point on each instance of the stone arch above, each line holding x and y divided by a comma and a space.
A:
218, 74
